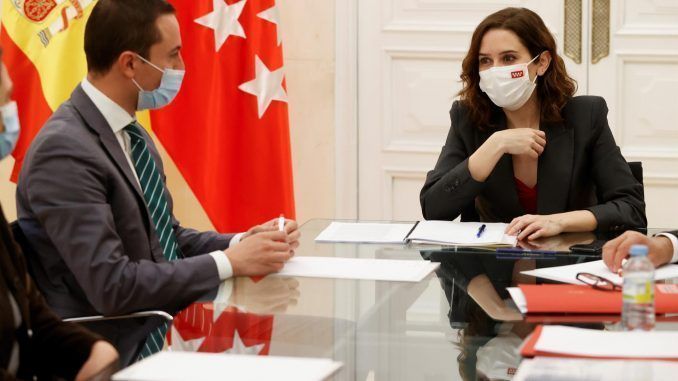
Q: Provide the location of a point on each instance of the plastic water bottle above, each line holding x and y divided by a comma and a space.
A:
638, 291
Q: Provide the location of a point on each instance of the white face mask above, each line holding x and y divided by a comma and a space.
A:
500, 357
508, 87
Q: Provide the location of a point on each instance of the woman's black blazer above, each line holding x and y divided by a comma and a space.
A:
581, 168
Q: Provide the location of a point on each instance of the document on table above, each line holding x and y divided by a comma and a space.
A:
559, 369
568, 274
359, 268
581, 342
196, 366
461, 233
365, 232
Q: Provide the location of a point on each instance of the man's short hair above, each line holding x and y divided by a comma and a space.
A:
116, 26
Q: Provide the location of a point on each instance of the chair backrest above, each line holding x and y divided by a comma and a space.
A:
637, 171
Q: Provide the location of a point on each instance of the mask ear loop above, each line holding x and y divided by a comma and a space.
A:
531, 61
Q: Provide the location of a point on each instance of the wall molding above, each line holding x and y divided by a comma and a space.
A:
346, 110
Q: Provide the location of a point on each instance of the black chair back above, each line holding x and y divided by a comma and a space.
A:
637, 171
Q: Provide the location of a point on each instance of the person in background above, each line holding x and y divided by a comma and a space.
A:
522, 148
663, 248
35, 342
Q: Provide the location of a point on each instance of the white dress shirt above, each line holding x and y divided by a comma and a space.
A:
118, 119
674, 244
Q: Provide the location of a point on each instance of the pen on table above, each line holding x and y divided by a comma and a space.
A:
281, 223
481, 229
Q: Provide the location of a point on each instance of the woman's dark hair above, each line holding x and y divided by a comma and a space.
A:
116, 26
554, 88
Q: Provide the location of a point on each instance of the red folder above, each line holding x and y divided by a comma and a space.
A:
566, 298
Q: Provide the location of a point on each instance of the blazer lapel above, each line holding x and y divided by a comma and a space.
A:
554, 170
96, 121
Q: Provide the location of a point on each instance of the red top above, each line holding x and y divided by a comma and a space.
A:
527, 196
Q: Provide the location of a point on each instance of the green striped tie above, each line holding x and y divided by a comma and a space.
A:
153, 188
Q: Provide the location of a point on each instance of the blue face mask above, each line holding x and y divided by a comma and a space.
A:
163, 95
8, 138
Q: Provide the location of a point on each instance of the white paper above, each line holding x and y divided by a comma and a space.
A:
619, 344
568, 274
359, 268
365, 232
518, 298
461, 233
195, 366
560, 369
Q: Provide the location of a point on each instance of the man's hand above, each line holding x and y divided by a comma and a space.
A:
260, 254
102, 360
269, 295
614, 251
290, 228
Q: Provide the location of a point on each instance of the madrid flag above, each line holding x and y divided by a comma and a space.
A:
227, 131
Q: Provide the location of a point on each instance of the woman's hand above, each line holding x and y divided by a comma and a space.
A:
531, 226
521, 141
101, 363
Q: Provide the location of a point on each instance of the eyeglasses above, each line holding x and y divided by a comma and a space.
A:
598, 282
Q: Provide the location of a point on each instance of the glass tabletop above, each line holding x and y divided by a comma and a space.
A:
458, 323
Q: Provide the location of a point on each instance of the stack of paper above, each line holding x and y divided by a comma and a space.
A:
560, 341
365, 232
433, 232
568, 274
359, 268
461, 233
559, 369
194, 366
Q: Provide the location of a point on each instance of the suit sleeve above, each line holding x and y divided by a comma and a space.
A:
449, 187
620, 195
55, 348
75, 213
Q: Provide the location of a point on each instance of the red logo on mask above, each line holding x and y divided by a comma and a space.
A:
517, 74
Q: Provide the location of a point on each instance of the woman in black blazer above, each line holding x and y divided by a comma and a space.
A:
522, 149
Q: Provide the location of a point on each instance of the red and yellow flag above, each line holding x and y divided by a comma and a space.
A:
227, 131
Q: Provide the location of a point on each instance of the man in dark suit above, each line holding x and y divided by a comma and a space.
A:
92, 198
663, 248
35, 343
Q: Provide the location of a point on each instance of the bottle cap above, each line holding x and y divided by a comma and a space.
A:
638, 251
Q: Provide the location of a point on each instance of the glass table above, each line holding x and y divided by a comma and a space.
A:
458, 323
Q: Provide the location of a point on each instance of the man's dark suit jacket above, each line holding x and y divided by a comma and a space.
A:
47, 346
96, 249
581, 168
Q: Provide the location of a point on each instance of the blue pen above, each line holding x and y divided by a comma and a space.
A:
481, 229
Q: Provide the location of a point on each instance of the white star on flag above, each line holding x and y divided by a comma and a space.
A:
266, 86
179, 344
272, 15
224, 20
239, 348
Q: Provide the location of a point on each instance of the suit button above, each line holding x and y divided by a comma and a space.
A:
456, 182
447, 188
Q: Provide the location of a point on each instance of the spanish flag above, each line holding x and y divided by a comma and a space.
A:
227, 131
